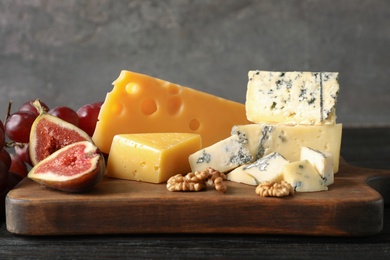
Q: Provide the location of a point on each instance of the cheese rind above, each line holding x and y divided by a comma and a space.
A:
288, 140
267, 168
303, 177
321, 161
292, 97
142, 104
153, 157
223, 156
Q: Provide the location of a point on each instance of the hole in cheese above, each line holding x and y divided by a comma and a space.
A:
174, 105
117, 109
194, 124
148, 106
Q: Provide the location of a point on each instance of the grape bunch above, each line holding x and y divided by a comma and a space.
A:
15, 134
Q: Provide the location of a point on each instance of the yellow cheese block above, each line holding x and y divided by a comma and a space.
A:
143, 104
151, 157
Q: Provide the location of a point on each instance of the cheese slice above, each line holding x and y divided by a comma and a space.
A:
322, 162
151, 157
263, 139
267, 168
292, 97
303, 177
223, 156
142, 104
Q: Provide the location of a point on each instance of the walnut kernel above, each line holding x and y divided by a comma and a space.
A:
197, 181
181, 183
219, 185
274, 189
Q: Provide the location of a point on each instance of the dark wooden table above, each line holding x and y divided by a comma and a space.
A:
363, 147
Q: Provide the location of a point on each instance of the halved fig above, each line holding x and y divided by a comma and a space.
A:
50, 133
77, 167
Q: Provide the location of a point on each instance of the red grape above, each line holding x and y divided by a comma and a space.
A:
2, 139
18, 126
13, 179
5, 157
2, 135
65, 113
29, 107
2, 126
23, 152
3, 176
18, 166
88, 115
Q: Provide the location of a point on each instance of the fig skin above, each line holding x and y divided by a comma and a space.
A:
56, 141
82, 183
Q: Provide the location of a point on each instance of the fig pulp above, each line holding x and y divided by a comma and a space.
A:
50, 133
74, 168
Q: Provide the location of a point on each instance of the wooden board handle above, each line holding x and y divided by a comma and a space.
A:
380, 182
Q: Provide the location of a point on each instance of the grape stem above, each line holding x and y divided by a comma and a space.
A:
12, 144
38, 106
8, 110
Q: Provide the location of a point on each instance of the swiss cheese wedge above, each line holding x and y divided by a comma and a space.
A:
142, 104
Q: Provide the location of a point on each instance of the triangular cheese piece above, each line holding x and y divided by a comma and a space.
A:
303, 177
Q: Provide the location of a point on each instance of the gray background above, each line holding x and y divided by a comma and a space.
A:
69, 52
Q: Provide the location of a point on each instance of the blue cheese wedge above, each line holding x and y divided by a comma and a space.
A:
267, 168
303, 177
322, 162
238, 175
223, 156
292, 97
252, 134
263, 139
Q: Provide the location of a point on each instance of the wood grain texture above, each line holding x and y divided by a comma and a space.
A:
349, 208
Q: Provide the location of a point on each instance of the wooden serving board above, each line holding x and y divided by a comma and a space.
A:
349, 208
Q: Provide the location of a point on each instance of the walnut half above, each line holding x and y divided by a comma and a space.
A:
197, 181
220, 185
181, 183
274, 189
